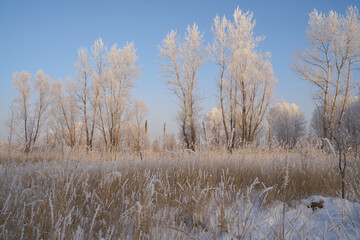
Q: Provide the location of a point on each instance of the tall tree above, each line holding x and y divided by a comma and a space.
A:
31, 116
83, 93
184, 58
138, 135
21, 82
115, 91
245, 77
98, 71
328, 63
66, 113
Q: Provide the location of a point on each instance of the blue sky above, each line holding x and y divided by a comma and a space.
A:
47, 35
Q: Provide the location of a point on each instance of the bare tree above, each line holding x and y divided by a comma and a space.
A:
342, 140
184, 58
287, 123
352, 125
346, 138
93, 105
42, 84
118, 80
10, 125
21, 104
245, 78
66, 113
83, 93
104, 82
138, 128
329, 62
98, 71
31, 116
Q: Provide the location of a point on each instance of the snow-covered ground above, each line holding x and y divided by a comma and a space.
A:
337, 219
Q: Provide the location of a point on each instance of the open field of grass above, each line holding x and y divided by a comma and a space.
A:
251, 194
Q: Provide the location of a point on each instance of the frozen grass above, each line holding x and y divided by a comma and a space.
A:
177, 196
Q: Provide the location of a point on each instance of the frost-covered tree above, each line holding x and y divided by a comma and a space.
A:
184, 58
104, 82
352, 125
30, 106
328, 63
343, 134
66, 113
98, 71
21, 104
10, 124
245, 78
287, 123
84, 94
213, 128
115, 88
93, 105
316, 125
138, 134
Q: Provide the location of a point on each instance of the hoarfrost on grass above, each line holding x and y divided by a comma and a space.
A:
182, 198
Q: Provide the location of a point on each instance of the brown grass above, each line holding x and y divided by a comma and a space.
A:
167, 196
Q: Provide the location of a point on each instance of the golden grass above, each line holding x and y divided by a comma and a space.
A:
167, 196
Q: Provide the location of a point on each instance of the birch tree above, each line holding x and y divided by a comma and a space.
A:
245, 77
183, 60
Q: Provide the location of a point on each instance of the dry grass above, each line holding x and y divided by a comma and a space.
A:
167, 196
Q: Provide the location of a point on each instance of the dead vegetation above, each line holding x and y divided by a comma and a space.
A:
66, 195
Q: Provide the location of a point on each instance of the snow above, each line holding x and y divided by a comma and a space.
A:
339, 216
338, 219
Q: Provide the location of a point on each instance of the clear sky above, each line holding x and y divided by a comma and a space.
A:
47, 35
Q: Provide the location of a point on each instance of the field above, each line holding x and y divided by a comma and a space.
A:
251, 194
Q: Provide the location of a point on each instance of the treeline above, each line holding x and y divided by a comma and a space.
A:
96, 105
95, 109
